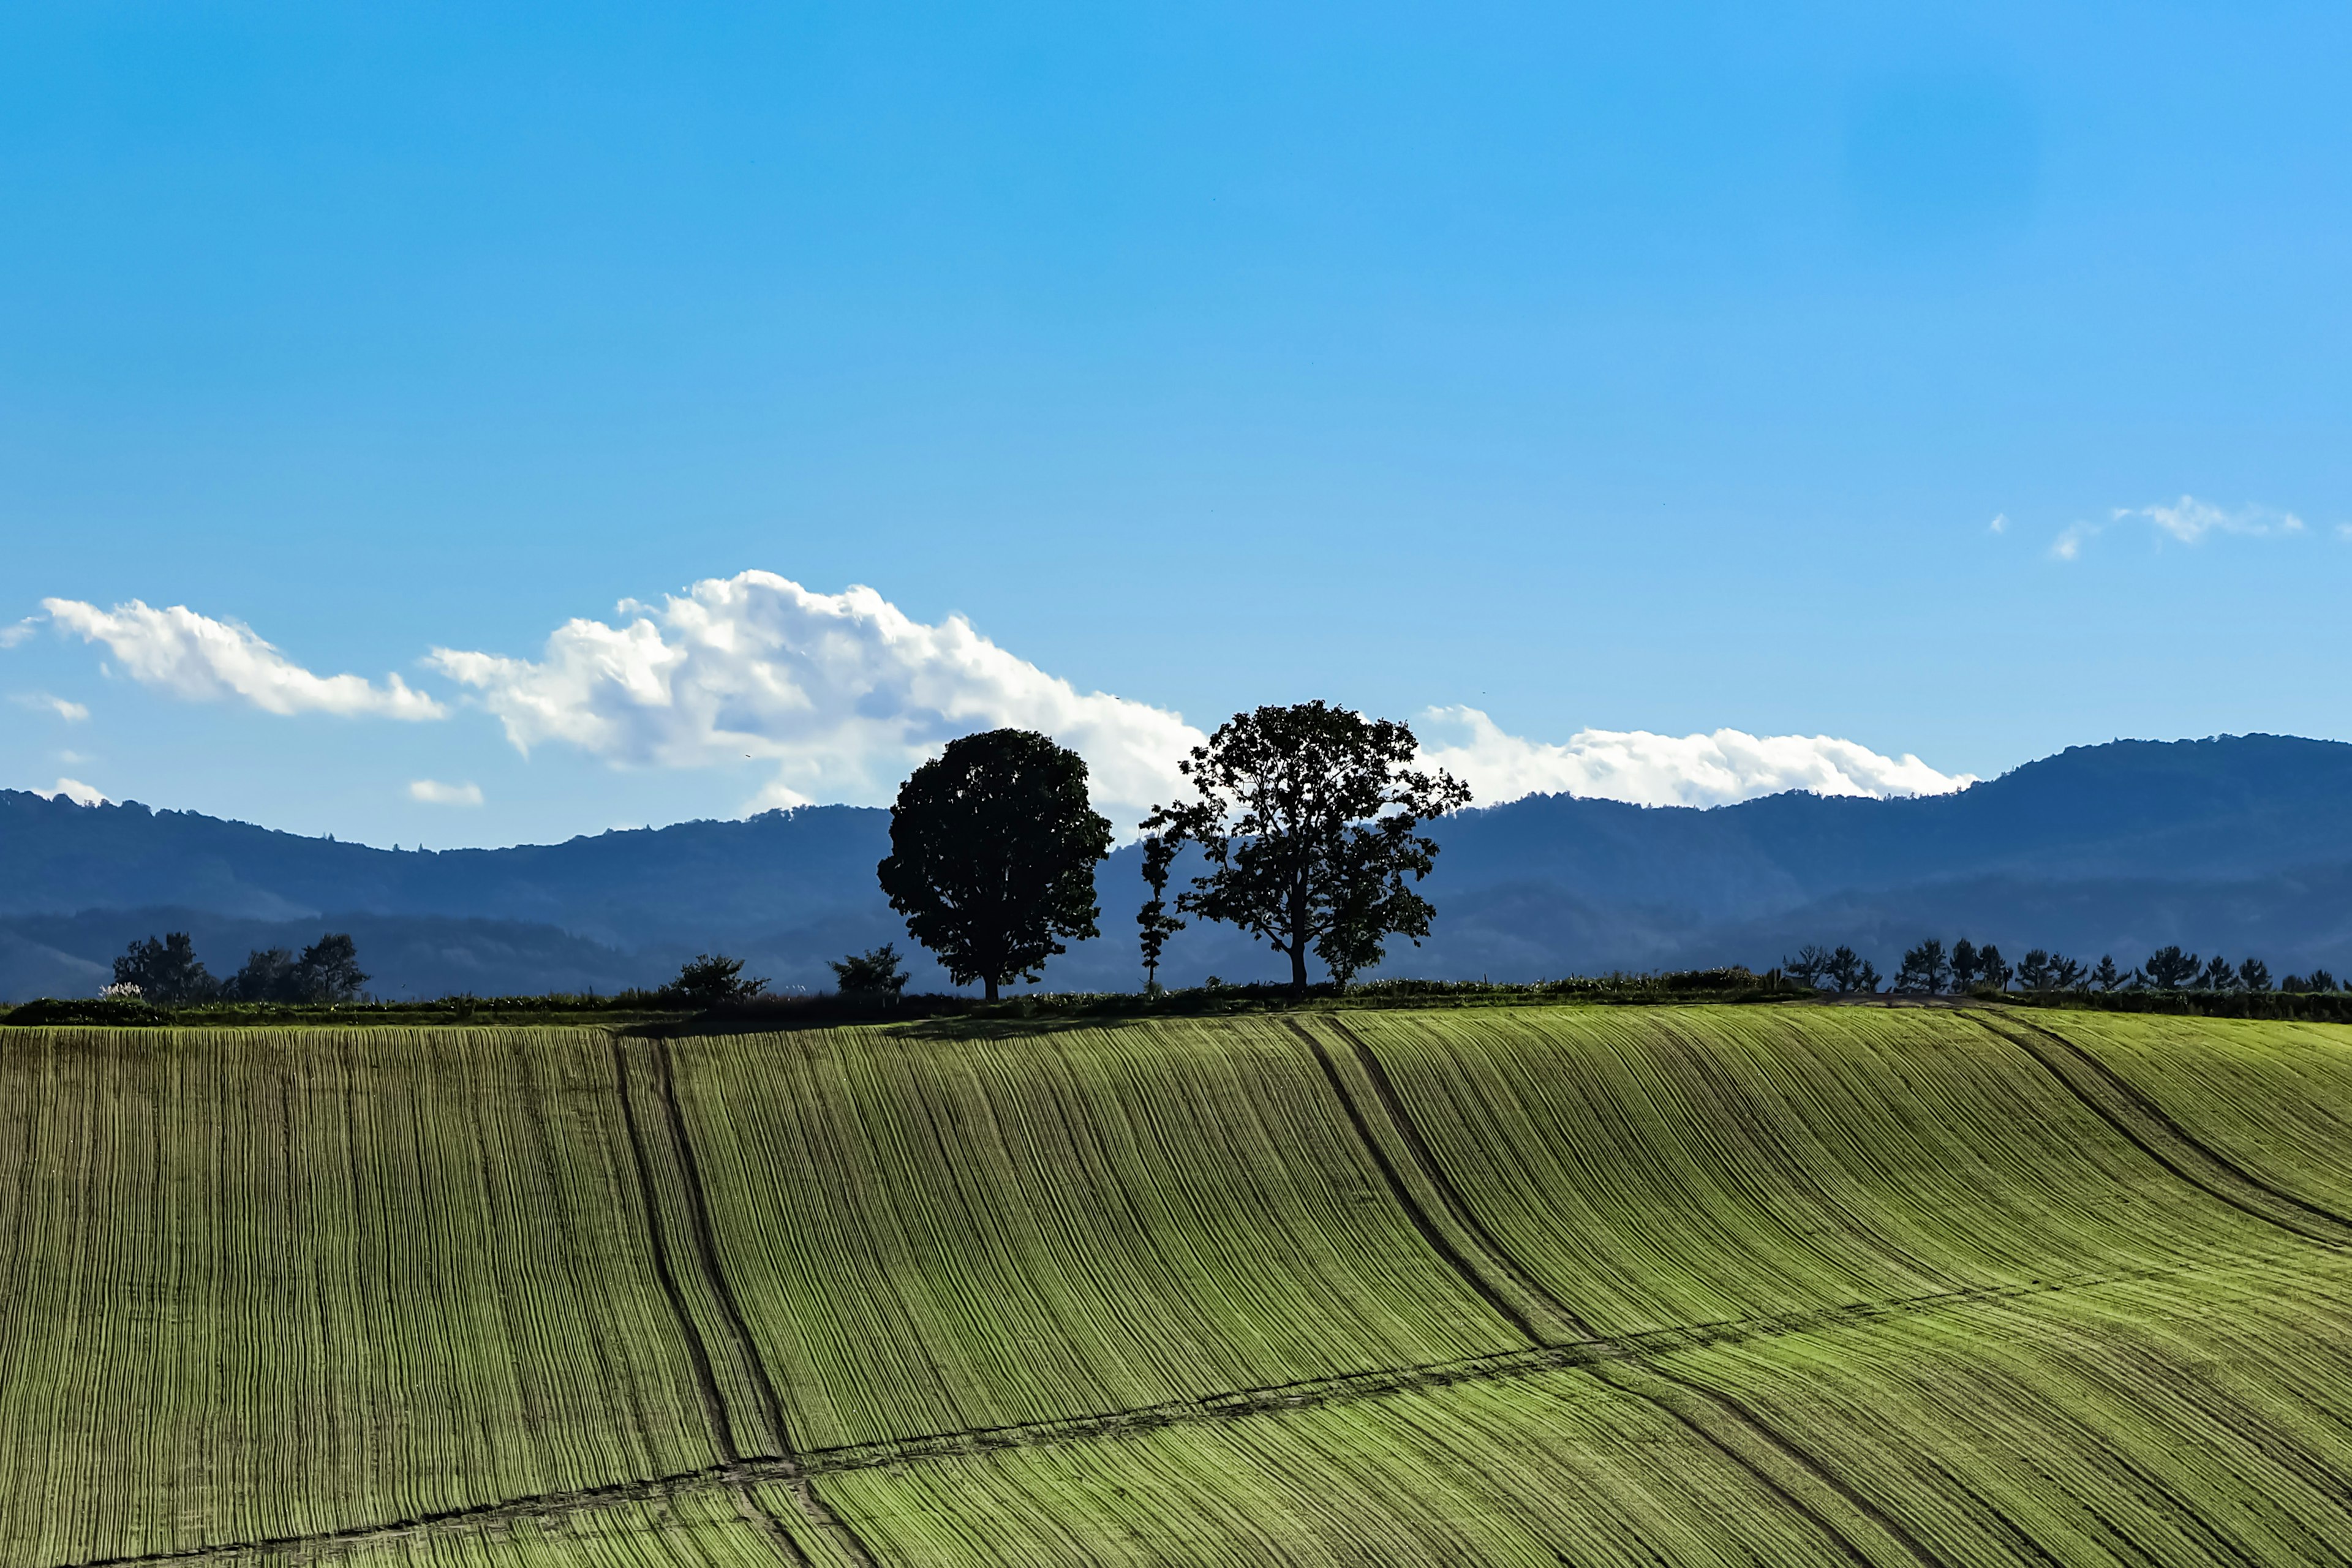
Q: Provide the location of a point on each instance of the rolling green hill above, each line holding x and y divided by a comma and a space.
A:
1807, 1284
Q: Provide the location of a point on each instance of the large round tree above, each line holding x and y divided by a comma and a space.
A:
993, 854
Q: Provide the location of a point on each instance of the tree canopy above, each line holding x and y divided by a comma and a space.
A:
993, 846
1307, 819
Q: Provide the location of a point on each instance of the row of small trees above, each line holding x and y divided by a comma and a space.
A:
1929, 969
167, 972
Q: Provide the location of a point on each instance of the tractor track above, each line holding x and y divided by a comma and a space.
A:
2147, 1127
1798, 1480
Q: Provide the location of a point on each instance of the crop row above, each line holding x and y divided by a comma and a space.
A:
261, 1284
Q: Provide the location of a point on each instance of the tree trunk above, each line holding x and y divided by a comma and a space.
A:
991, 984
1299, 972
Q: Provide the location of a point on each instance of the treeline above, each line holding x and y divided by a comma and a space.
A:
167, 972
1929, 969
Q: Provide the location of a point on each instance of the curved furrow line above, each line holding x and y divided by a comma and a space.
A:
2147, 1127
1785, 1470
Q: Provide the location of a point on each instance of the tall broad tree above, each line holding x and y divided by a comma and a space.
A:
1308, 819
993, 846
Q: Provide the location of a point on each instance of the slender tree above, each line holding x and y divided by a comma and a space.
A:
1997, 971
2169, 969
1966, 965
1156, 924
2254, 974
1307, 821
2106, 976
2067, 974
2220, 974
2034, 970
993, 854
1844, 970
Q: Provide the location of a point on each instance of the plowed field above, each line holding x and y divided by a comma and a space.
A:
1577, 1284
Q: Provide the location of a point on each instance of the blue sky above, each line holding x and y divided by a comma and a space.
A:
1601, 369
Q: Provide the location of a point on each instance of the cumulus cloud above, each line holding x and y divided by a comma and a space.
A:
75, 791
432, 792
1665, 770
842, 693
42, 702
193, 656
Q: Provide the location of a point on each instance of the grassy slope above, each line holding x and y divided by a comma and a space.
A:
1537, 1470
935, 1233
272, 1284
1663, 1166
2274, 1099
262, 1284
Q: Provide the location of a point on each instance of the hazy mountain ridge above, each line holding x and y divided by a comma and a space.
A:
2241, 842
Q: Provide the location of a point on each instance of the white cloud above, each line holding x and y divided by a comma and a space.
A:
193, 656
843, 693
2000, 522
42, 702
10, 636
432, 792
2068, 545
1666, 770
75, 791
2189, 520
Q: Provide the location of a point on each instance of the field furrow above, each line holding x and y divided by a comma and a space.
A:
941, 1234
262, 1284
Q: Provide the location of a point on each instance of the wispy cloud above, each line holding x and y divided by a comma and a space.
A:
193, 656
432, 792
2186, 521
842, 693
2000, 524
42, 702
10, 636
75, 791
2189, 520
1666, 770
2069, 543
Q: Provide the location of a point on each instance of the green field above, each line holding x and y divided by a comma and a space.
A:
1542, 1285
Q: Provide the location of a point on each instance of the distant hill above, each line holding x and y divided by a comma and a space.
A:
2243, 843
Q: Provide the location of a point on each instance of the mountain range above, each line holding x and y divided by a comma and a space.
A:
2241, 844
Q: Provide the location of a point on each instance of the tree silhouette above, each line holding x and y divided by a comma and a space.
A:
2106, 976
329, 970
2255, 976
708, 979
993, 854
1966, 965
2169, 969
2220, 975
1844, 970
1156, 924
165, 972
875, 973
1307, 819
1924, 968
1996, 968
1808, 968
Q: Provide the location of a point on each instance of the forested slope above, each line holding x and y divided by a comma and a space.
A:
1690, 1285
